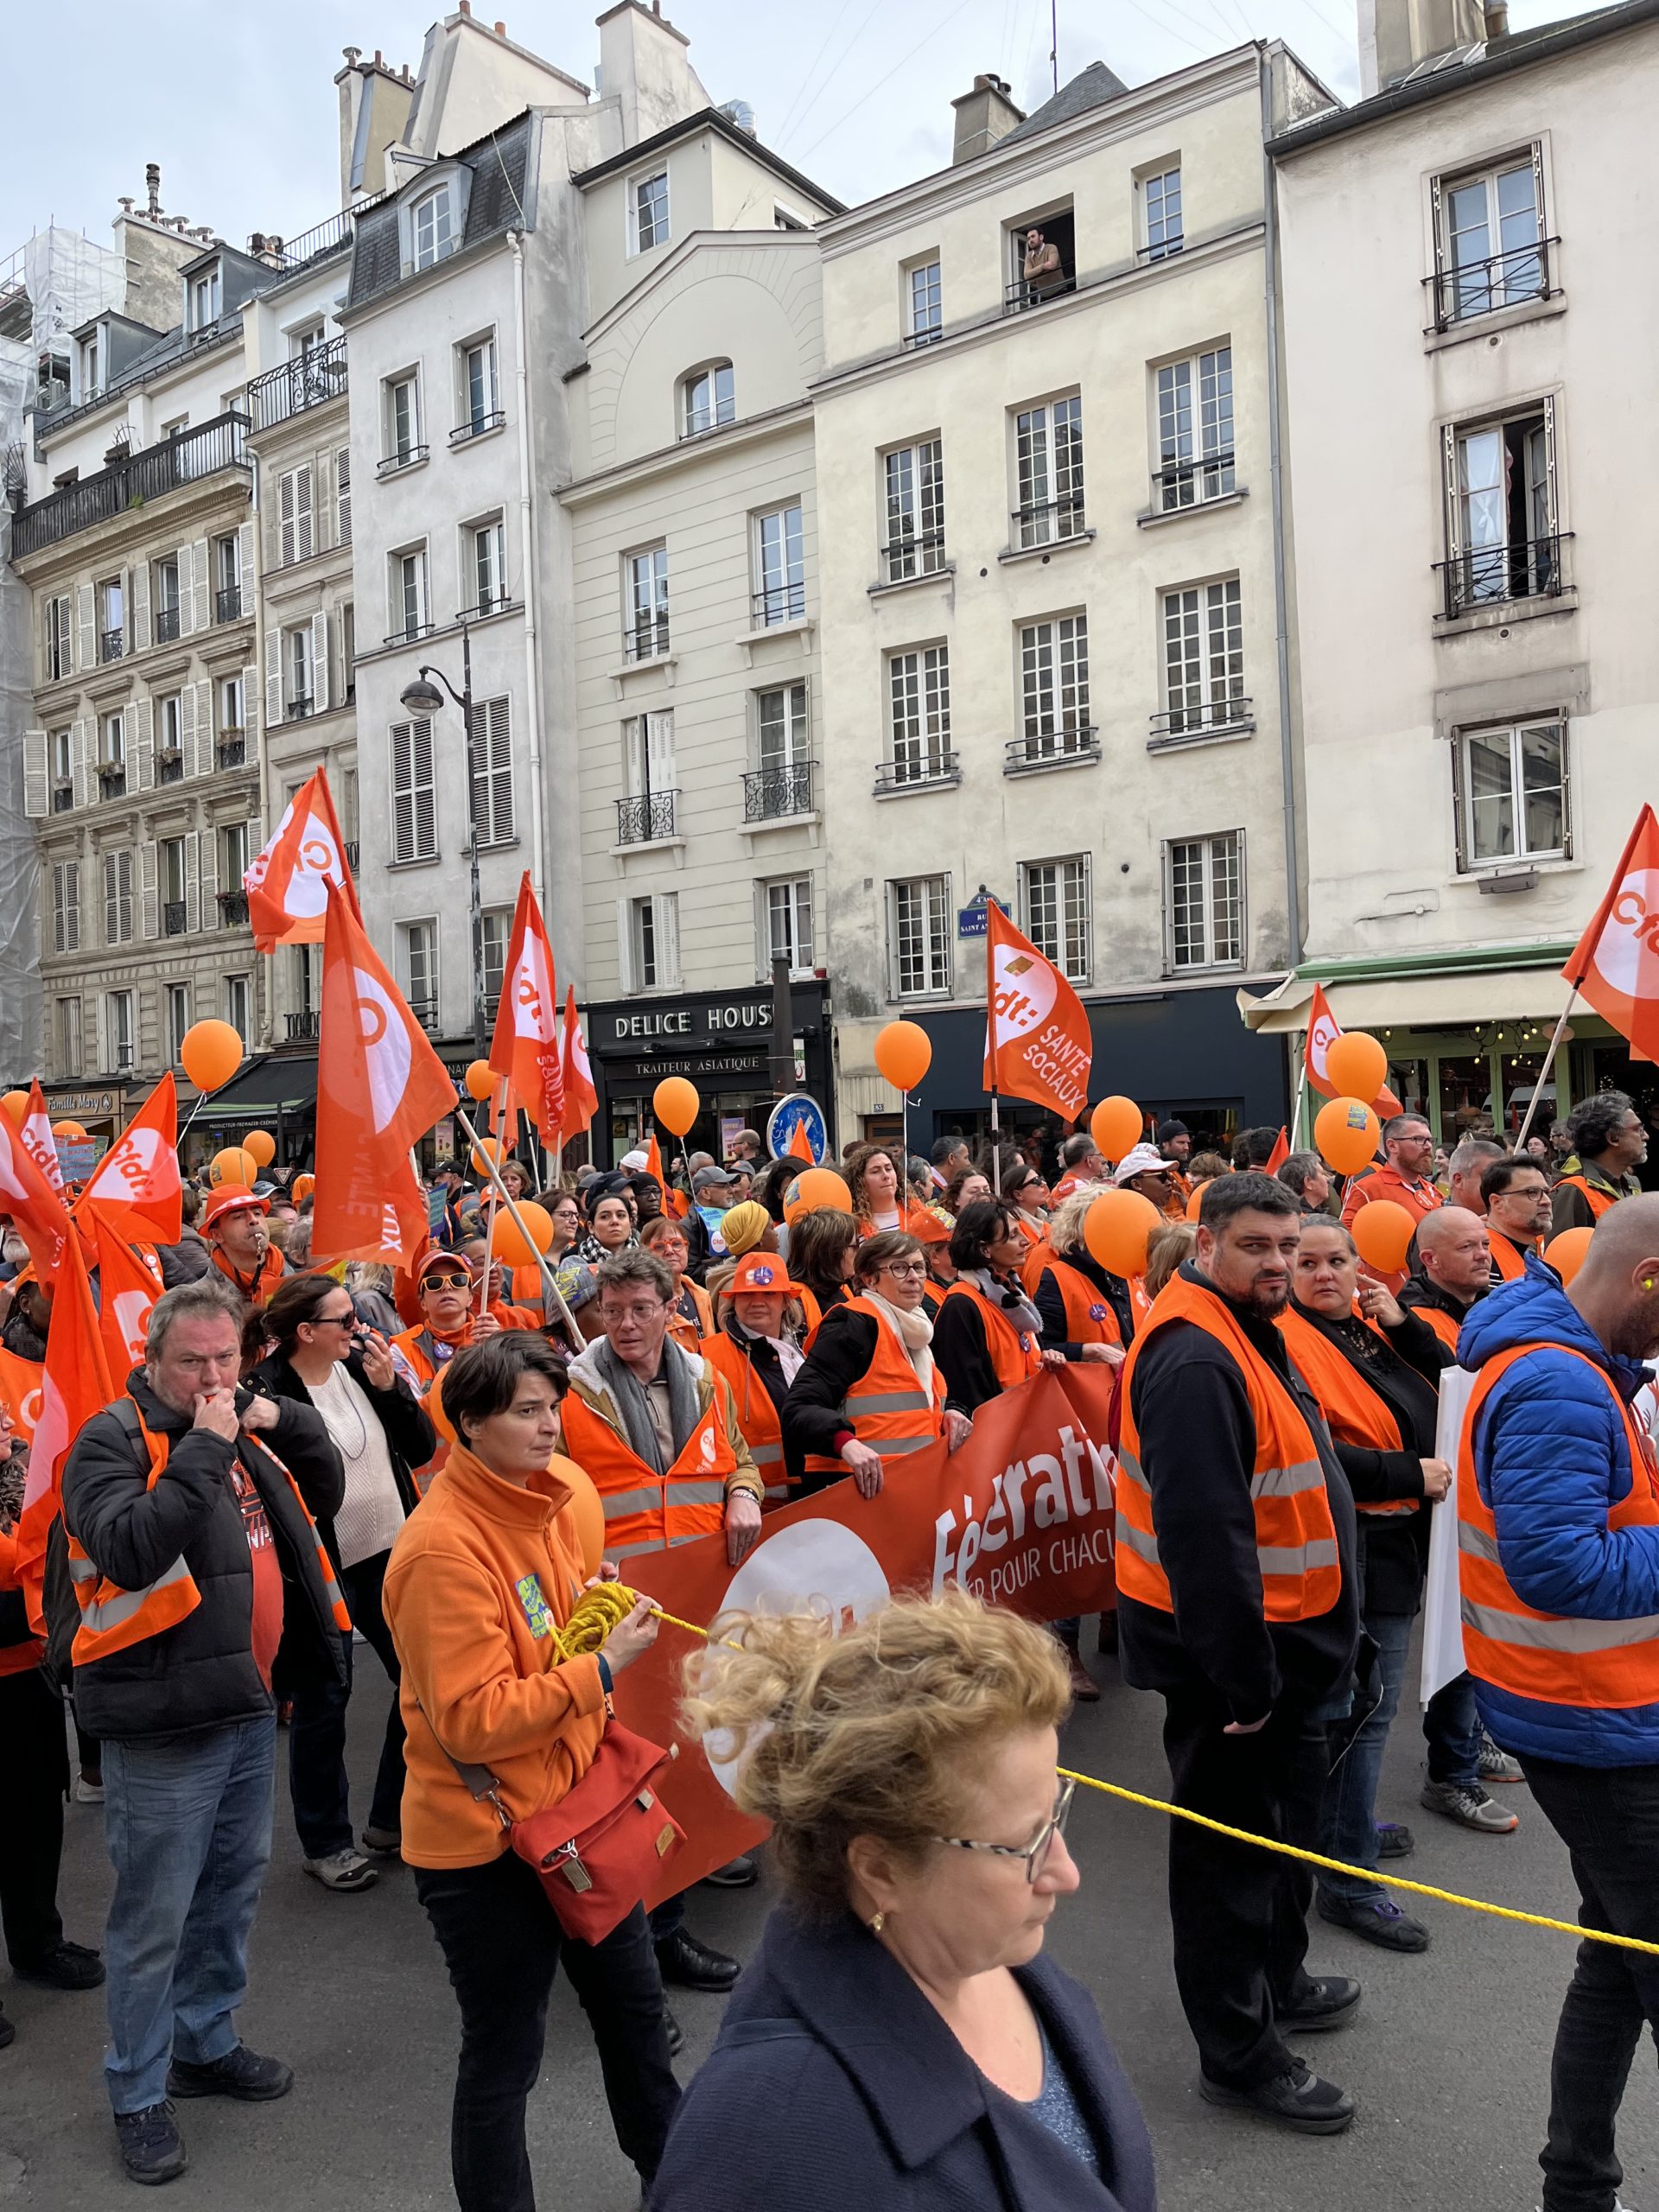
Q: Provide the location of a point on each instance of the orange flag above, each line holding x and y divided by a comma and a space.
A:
288, 882
525, 1046
1615, 964
800, 1145
20, 1386
136, 1186
1038, 1043
380, 1088
1279, 1153
654, 1163
127, 1292
37, 1136
581, 1099
36, 1208
74, 1385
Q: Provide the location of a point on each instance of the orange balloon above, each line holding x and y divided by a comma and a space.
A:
1384, 1241
480, 1080
300, 1188
821, 1187
211, 1053
1116, 1228
1566, 1252
260, 1146
676, 1104
1117, 1125
70, 1132
904, 1053
507, 1241
1358, 1065
1345, 1131
14, 1106
589, 1510
486, 1148
233, 1165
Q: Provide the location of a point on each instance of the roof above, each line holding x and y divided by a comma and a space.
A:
708, 118
1095, 86
1465, 66
500, 164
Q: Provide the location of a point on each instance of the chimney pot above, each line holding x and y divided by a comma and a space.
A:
500, 30
153, 185
466, 7
353, 54
376, 57
983, 116
1496, 13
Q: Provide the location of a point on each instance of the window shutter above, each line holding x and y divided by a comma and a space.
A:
343, 496
318, 664
37, 796
244, 565
250, 704
112, 914
71, 905
285, 527
143, 744
659, 749
80, 771
106, 1053
304, 530
1459, 839
191, 763
625, 947
193, 881
1449, 476
273, 678
85, 618
1550, 462
141, 606
322, 474
634, 755
197, 599
148, 895
403, 803
665, 916
425, 807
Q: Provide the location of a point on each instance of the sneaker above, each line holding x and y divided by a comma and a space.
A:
1395, 1840
151, 2150
1497, 1765
1378, 1919
67, 1966
1085, 1690
1326, 2000
383, 1843
88, 1792
1470, 1806
241, 2072
1297, 2098
342, 1870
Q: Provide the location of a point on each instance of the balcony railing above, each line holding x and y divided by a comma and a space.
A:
290, 388
405, 457
777, 603
918, 554
112, 780
1203, 718
63, 798
232, 748
232, 908
645, 637
304, 1029
169, 767
1189, 483
350, 849
227, 603
1049, 522
1036, 292
1051, 749
926, 771
411, 631
298, 708
172, 917
476, 425
640, 821
1494, 575
320, 240
425, 1011
109, 644
772, 794
1502, 279
166, 625
498, 602
131, 482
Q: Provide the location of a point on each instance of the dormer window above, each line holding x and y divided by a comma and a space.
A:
433, 222
205, 299
92, 363
710, 398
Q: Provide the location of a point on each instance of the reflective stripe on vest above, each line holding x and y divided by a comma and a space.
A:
645, 1512
757, 1416
1354, 1412
887, 1407
1296, 1546
1591, 1664
1015, 1353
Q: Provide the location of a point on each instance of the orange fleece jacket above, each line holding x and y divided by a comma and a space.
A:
474, 1574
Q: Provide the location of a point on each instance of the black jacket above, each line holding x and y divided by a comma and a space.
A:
814, 1417
1051, 1303
199, 1673
1197, 1451
410, 1438
187, 1260
1419, 1292
869, 2101
963, 1353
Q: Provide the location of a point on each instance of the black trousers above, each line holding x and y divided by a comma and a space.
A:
1240, 1915
503, 1945
316, 1736
1608, 1818
31, 1831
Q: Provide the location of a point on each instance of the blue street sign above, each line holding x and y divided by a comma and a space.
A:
792, 1112
970, 918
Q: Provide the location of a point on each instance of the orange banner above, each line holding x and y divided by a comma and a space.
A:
1022, 1515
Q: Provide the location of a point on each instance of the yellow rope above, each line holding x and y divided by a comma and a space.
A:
598, 1610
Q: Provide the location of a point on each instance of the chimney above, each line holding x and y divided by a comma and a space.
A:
983, 116
1397, 36
1496, 13
153, 185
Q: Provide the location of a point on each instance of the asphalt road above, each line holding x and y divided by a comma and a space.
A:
1449, 2057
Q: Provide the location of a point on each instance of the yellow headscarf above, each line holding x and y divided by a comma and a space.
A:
744, 1226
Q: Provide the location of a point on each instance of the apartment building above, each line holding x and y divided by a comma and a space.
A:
1053, 591
1478, 661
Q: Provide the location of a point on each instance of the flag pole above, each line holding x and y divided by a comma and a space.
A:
996, 1134
1301, 1093
508, 1201
1543, 1073
990, 1034
489, 1224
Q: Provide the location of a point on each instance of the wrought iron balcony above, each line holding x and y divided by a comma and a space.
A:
641, 821
925, 771
1036, 292
405, 457
1051, 749
916, 553
1190, 482
232, 908
1494, 575
172, 917
292, 387
304, 1029
169, 767
770, 794
232, 748
109, 644
133, 480
645, 637
298, 710
498, 602
166, 625
777, 603
227, 603
1502, 279
1203, 718
63, 798
476, 425
112, 778
928, 334
1049, 522
410, 631
425, 1011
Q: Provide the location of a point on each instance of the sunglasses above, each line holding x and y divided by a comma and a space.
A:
449, 1279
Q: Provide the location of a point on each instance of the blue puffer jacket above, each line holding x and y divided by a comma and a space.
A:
1552, 1460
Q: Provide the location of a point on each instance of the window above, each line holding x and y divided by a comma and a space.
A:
298, 693
1502, 523
112, 757
60, 653
647, 811
918, 706
164, 593
233, 857
109, 619
91, 365
1055, 902
403, 422
237, 996
170, 855
495, 934
1511, 790
178, 1021
788, 925
710, 399
169, 739
432, 227
918, 935
781, 783
120, 1030
1204, 657
414, 799
61, 754
1195, 430
925, 304
1048, 460
915, 495
176, 428
348, 652
647, 574
1203, 899
302, 343
409, 599
118, 898
648, 211
649, 942
227, 578
480, 405
1042, 261
1160, 208
780, 595
1054, 686
68, 1026
785, 218
295, 526
232, 707
492, 770
1489, 239
418, 943
204, 299
66, 906
486, 565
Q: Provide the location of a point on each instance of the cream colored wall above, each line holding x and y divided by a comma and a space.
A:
1365, 400
612, 270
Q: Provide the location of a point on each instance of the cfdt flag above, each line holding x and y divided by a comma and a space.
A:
1037, 1040
1615, 964
74, 1385
38, 1137
36, 1208
380, 1088
136, 1186
1322, 1031
127, 1292
581, 1099
525, 1046
288, 883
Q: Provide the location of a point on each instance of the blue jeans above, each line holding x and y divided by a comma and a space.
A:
1452, 1728
187, 1823
1348, 1810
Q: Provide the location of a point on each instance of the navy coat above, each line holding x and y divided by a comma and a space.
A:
834, 2083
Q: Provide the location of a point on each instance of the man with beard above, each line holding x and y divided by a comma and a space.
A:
1238, 1602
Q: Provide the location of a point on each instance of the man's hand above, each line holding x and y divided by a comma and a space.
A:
742, 1525
864, 1463
216, 1412
959, 1427
377, 1361
260, 1412
1247, 1728
1108, 1355
1437, 1478
484, 1325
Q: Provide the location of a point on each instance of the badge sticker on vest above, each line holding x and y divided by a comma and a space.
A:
709, 1447
1025, 1341
762, 1277
535, 1605
1096, 1313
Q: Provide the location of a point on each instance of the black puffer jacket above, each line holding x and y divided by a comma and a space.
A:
199, 1673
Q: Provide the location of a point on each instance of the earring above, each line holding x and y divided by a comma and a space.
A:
878, 1924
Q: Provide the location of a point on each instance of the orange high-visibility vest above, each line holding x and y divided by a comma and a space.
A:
1599, 1202
1015, 1354
757, 1416
1510, 1263
1353, 1412
645, 1512
1041, 1255
887, 1407
1295, 1536
1445, 1326
1091, 1318
689, 1331
1592, 1663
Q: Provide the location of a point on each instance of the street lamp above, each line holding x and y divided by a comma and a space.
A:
423, 697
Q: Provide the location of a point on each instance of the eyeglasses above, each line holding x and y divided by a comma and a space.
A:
902, 1270
334, 1321
1035, 1854
449, 1281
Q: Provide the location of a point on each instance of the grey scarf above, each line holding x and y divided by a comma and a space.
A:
628, 1396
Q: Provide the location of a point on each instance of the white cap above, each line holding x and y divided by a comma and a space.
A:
634, 1160
1142, 1159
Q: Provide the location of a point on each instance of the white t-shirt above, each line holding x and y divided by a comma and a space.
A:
371, 1512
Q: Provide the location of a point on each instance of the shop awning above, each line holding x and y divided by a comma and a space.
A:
278, 1084
1419, 1002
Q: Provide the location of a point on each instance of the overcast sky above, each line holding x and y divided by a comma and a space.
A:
239, 106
